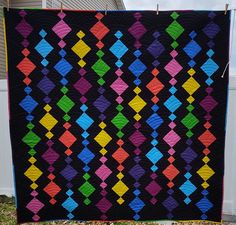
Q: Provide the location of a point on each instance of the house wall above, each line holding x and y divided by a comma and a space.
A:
229, 204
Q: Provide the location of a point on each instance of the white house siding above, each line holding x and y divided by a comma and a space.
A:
81, 4
26, 3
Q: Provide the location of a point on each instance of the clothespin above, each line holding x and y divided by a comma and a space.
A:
157, 9
106, 9
61, 7
226, 8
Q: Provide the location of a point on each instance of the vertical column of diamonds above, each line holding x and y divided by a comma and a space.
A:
208, 104
81, 49
99, 30
172, 104
63, 67
31, 139
190, 86
137, 30
48, 121
119, 121
154, 121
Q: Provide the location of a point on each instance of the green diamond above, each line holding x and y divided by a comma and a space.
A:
174, 30
86, 176
66, 117
31, 139
174, 45
190, 108
189, 134
30, 126
86, 189
120, 134
65, 104
119, 107
100, 67
174, 15
189, 121
119, 121
32, 152
101, 81
87, 201
100, 53
64, 90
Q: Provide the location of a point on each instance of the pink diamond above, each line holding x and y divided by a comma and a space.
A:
119, 99
171, 138
174, 53
119, 86
103, 159
172, 125
173, 67
103, 185
35, 217
104, 205
35, 205
171, 151
173, 81
61, 29
119, 72
62, 44
103, 172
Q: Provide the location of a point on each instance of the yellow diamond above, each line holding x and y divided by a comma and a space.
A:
33, 173
205, 185
80, 34
82, 63
48, 121
205, 159
81, 49
191, 85
120, 188
205, 172
32, 160
47, 108
120, 176
190, 99
137, 103
103, 151
102, 125
49, 135
191, 72
120, 201
137, 90
34, 186
103, 138
137, 117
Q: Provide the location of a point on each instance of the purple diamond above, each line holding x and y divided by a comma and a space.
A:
102, 104
156, 49
46, 85
68, 172
188, 155
211, 30
170, 203
137, 172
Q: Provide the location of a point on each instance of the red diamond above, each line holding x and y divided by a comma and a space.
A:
120, 155
67, 139
52, 189
207, 138
155, 86
26, 66
170, 172
99, 30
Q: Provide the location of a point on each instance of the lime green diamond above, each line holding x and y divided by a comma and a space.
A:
100, 67
174, 30
87, 189
119, 121
65, 104
190, 121
174, 15
31, 139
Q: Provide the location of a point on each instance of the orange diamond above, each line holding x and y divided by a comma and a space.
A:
120, 155
207, 138
155, 71
67, 139
155, 86
170, 172
26, 66
52, 189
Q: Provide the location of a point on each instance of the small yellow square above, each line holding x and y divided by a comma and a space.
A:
191, 72
137, 117
47, 108
49, 135
102, 125
205, 159
32, 160
120, 176
137, 90
190, 99
103, 151
80, 34
120, 200
34, 186
82, 63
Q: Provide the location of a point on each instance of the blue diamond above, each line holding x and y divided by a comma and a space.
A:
118, 49
69, 204
154, 168
187, 200
192, 49
62, 53
137, 67
43, 48
44, 62
187, 188
43, 33
83, 108
154, 142
63, 67
136, 205
154, 121
172, 90
118, 34
154, 155
172, 103
85, 134
84, 121
210, 53
86, 155
28, 104
209, 67
204, 205
191, 63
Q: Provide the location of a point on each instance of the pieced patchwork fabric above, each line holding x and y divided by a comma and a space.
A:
117, 116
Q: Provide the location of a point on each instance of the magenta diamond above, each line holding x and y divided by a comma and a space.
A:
82, 86
153, 188
137, 138
61, 29
24, 28
50, 156
103, 205
119, 86
137, 30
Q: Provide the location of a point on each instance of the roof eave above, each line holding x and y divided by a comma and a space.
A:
120, 4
